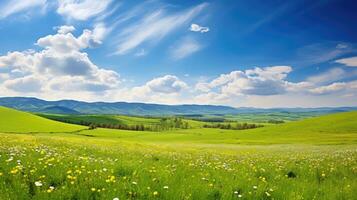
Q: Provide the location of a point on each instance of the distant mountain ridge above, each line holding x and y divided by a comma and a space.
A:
79, 107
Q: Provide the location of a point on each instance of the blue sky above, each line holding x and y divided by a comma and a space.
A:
238, 53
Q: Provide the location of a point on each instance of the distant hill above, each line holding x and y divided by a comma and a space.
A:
58, 110
124, 108
74, 107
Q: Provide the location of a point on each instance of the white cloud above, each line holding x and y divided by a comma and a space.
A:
18, 6
82, 9
184, 48
198, 28
269, 87
257, 81
27, 84
154, 27
335, 87
65, 29
350, 62
166, 84
60, 68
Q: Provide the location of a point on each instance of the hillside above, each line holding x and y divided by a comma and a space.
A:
22, 122
340, 128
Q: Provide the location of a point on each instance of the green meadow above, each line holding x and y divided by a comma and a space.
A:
312, 158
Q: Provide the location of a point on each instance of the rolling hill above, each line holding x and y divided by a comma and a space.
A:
22, 122
339, 128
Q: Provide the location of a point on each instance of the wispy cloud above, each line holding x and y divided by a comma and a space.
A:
334, 74
82, 10
154, 27
17, 6
322, 52
350, 62
184, 48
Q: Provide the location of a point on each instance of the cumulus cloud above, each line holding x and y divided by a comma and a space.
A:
166, 84
61, 66
257, 81
184, 48
27, 84
82, 9
350, 62
198, 28
246, 88
65, 29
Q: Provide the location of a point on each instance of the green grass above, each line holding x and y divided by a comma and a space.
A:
16, 121
261, 118
181, 164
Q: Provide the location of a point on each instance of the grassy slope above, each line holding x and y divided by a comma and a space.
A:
330, 129
21, 122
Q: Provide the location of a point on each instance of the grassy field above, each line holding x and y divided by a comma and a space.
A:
310, 159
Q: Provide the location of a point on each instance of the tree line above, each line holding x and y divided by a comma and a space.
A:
164, 124
232, 126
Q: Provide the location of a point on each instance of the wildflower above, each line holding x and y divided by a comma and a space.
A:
93, 189
50, 189
134, 183
166, 187
1, 173
268, 194
155, 193
38, 183
255, 187
116, 198
240, 196
14, 171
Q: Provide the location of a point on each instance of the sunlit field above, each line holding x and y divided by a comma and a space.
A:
310, 159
